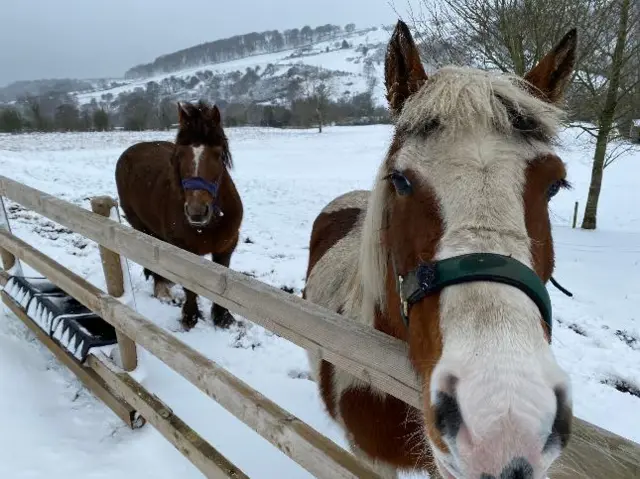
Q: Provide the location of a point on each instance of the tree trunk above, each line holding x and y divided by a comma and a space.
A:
319, 120
605, 122
591, 209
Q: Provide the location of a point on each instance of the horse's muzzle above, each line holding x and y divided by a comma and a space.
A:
198, 215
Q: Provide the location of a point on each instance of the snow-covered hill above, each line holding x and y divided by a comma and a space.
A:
345, 64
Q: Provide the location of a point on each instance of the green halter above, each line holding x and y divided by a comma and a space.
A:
430, 278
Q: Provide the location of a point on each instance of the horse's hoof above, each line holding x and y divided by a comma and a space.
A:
224, 320
188, 321
162, 291
171, 300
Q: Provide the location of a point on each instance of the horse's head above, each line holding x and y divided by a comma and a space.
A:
201, 160
460, 250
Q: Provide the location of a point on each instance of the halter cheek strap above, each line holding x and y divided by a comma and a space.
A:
432, 277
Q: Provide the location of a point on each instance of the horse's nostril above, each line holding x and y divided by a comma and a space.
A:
519, 468
448, 416
561, 429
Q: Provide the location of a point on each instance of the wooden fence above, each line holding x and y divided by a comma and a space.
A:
368, 354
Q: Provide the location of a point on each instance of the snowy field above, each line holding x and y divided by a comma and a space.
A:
50, 427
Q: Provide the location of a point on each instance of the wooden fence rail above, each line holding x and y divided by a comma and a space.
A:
313, 451
366, 353
206, 458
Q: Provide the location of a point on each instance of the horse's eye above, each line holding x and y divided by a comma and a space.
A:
555, 187
400, 183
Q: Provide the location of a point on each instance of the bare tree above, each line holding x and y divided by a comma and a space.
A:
38, 120
611, 86
322, 96
369, 71
317, 87
508, 35
512, 35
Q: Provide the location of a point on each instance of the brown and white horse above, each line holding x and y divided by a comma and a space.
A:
450, 252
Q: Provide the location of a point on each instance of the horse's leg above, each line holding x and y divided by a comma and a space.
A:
161, 286
190, 311
221, 316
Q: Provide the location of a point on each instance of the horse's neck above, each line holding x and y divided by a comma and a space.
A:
175, 209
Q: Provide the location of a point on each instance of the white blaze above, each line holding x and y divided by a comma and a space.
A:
197, 154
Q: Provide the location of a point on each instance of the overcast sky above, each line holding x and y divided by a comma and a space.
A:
102, 38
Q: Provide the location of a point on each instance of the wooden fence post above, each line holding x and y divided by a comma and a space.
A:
575, 214
8, 260
114, 276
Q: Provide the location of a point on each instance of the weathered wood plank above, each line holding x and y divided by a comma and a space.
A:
367, 354
595, 453
90, 379
312, 450
204, 456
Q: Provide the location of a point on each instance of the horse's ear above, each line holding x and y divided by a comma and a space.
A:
216, 117
552, 74
210, 114
403, 70
183, 113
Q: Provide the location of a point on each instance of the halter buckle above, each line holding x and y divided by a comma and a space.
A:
404, 303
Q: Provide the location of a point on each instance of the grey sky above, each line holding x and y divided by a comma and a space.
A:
102, 38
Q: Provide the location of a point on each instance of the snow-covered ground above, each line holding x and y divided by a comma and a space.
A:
50, 427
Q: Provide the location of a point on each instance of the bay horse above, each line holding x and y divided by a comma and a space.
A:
450, 252
182, 193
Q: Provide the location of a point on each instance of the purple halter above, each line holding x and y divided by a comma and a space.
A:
198, 183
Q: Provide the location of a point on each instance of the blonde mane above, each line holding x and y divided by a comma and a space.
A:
462, 98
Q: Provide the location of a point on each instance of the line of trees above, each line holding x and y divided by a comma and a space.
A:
312, 106
66, 118
314, 111
53, 112
512, 35
237, 47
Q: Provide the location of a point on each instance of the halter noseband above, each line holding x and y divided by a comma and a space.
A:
432, 277
199, 183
